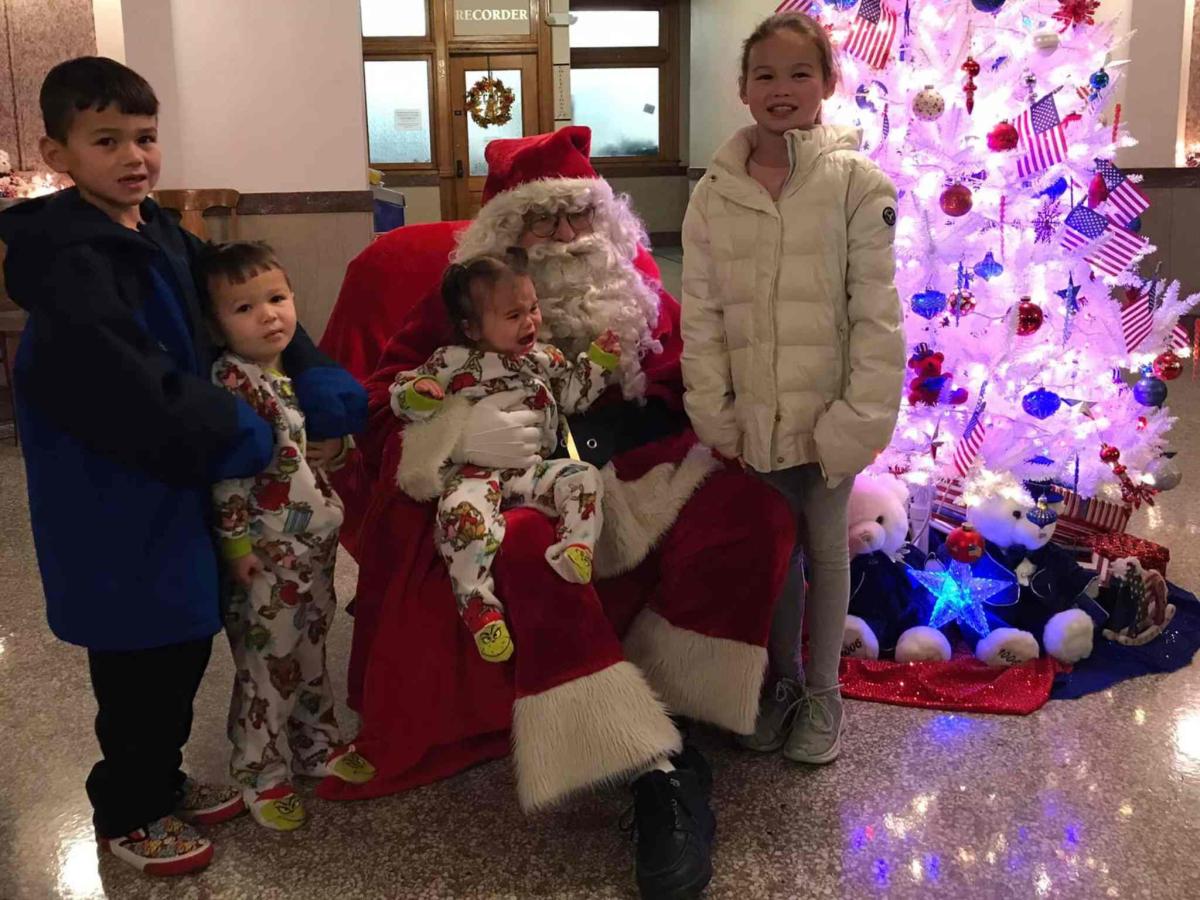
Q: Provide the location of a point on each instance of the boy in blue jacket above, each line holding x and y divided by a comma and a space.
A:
124, 437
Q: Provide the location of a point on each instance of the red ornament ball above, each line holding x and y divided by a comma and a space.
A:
1142, 422
964, 544
957, 200
1029, 317
1109, 453
962, 302
1097, 191
1168, 366
971, 67
1003, 137
1119, 470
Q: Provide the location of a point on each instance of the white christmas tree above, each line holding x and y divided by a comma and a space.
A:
1037, 352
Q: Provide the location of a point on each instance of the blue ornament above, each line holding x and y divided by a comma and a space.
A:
1150, 391
987, 268
1098, 80
1042, 516
928, 303
1055, 190
987, 6
1041, 404
1135, 224
840, 4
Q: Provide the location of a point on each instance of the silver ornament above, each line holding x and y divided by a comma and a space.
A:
1046, 42
1163, 474
928, 105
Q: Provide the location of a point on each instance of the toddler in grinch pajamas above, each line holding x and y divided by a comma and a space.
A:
492, 304
279, 536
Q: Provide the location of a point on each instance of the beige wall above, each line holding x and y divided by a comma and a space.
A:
264, 96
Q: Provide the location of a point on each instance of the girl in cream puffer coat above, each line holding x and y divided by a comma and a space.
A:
794, 352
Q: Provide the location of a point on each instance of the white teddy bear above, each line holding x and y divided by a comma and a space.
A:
884, 613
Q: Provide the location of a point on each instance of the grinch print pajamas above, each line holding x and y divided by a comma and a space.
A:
470, 527
289, 516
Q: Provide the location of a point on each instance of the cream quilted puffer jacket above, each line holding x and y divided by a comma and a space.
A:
793, 334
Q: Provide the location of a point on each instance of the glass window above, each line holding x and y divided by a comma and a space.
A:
398, 111
621, 108
615, 28
478, 136
394, 18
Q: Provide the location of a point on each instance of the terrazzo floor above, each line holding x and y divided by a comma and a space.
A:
1093, 798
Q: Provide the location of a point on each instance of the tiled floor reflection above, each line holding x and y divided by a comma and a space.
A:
1090, 799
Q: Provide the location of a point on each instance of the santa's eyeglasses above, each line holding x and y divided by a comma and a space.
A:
545, 225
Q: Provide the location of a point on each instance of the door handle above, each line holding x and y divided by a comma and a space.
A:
458, 168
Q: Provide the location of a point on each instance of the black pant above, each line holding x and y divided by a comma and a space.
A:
145, 715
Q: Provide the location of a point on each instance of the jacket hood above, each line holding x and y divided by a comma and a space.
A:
36, 231
806, 146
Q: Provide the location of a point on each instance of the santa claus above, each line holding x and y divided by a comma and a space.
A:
692, 556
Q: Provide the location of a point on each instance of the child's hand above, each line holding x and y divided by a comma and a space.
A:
609, 343
428, 387
322, 453
244, 568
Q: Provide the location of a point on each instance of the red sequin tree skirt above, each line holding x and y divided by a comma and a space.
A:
962, 684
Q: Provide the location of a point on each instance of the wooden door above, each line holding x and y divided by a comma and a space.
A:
518, 71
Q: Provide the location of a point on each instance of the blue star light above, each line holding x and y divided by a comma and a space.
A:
958, 595
1069, 294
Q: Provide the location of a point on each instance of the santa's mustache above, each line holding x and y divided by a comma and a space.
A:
584, 245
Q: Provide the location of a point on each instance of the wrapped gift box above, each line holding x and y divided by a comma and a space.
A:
1107, 548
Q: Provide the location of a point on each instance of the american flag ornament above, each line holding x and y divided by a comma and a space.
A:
968, 445
1043, 137
872, 34
803, 6
1125, 201
1137, 319
1113, 249
1179, 338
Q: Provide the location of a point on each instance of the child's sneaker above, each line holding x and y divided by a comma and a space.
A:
776, 710
278, 808
167, 846
344, 763
816, 735
209, 804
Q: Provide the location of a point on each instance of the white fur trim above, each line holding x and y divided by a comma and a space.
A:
502, 219
1007, 647
427, 447
1068, 635
922, 644
712, 679
859, 640
590, 731
638, 513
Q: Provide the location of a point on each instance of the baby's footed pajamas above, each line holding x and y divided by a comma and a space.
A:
289, 516
470, 523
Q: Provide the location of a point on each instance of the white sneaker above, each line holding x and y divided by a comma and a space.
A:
816, 735
775, 713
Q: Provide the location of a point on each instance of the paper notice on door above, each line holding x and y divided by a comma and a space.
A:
409, 120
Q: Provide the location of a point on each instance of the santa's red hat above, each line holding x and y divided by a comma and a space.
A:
541, 173
513, 162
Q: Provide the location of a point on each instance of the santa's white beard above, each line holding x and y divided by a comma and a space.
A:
584, 289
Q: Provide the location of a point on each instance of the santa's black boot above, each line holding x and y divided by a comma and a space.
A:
674, 831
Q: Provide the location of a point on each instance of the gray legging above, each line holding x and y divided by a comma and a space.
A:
821, 515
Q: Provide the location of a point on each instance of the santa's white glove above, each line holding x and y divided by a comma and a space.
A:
500, 433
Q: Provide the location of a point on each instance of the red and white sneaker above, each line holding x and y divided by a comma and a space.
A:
167, 846
209, 804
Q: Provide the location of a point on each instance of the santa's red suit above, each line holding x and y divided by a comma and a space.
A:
692, 556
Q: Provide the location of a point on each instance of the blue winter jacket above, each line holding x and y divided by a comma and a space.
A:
123, 432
